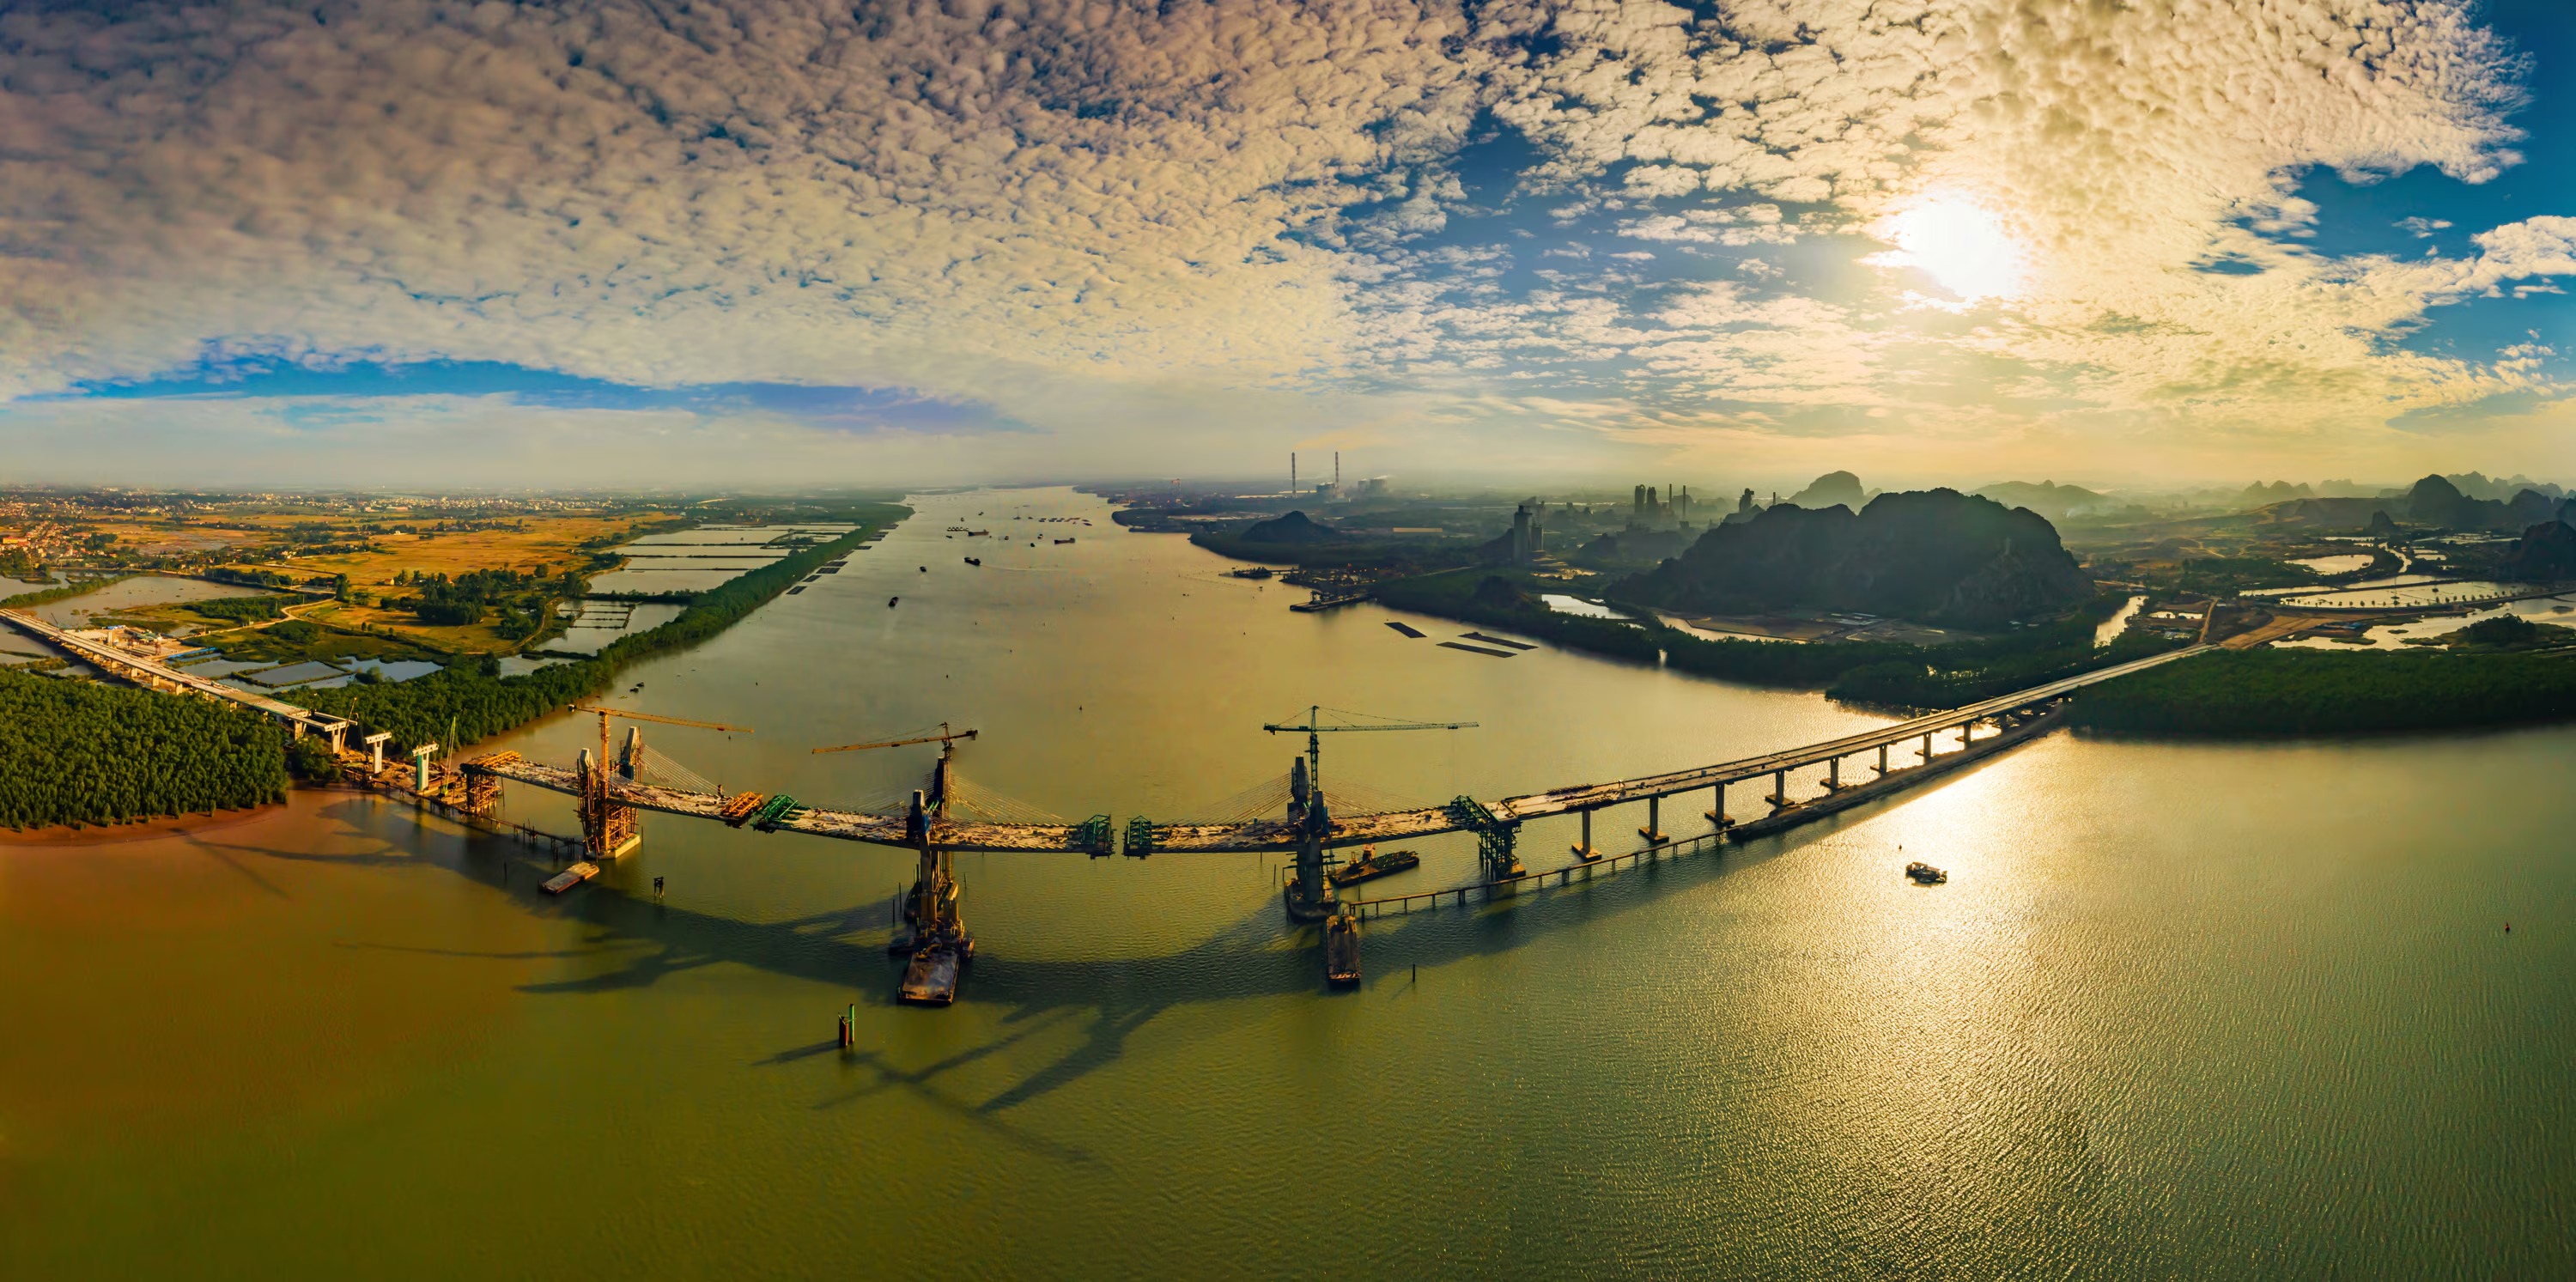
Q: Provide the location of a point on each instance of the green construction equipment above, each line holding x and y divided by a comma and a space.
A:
775, 811
1494, 838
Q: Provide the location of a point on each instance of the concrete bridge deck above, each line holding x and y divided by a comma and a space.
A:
1266, 835
156, 675
1278, 835
843, 825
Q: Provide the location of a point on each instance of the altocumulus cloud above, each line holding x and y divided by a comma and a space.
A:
1060, 209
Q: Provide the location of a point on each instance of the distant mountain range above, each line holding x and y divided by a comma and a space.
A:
2049, 499
2434, 501
1938, 556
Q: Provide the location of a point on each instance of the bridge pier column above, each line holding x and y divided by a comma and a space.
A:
1882, 758
1833, 774
1583, 849
1717, 810
482, 793
1927, 748
1653, 832
1779, 797
1310, 897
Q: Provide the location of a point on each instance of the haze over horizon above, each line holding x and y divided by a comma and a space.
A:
766, 242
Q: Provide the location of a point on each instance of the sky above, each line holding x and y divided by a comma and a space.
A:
777, 243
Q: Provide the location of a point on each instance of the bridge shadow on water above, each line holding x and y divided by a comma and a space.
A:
637, 941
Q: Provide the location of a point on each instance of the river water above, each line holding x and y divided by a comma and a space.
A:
2205, 1010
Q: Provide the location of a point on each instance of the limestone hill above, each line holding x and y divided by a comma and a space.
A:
1938, 556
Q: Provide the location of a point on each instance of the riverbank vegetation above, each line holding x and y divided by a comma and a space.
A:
464, 703
2277, 693
75, 752
59, 592
1875, 673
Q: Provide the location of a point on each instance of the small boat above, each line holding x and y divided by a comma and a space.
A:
571, 877
1342, 949
1062, 542
974, 561
1925, 874
1256, 572
925, 569
1372, 865
891, 600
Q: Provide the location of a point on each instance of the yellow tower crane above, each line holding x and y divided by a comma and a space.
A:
606, 713
939, 946
608, 827
944, 737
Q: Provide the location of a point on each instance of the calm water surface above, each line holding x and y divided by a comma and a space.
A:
2210, 1011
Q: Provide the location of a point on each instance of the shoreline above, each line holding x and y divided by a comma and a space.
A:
64, 836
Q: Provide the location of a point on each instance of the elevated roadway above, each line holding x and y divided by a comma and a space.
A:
1281, 835
153, 674
944, 832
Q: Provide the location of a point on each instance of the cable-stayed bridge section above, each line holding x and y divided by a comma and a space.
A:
743, 809
1297, 814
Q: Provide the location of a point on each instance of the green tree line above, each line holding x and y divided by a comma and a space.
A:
1884, 673
59, 592
478, 705
74, 752
245, 609
2262, 693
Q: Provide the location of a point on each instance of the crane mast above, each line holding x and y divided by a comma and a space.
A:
939, 945
608, 826
1310, 896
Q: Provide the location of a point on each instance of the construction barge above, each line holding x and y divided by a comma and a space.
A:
1371, 865
1322, 602
930, 978
1342, 949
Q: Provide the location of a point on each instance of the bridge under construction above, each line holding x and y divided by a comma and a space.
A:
1299, 815
947, 814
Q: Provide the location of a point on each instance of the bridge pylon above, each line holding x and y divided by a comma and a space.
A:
1310, 895
608, 827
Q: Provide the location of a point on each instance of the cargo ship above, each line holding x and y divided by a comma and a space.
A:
1925, 874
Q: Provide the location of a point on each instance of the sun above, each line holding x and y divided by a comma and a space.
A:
1956, 241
